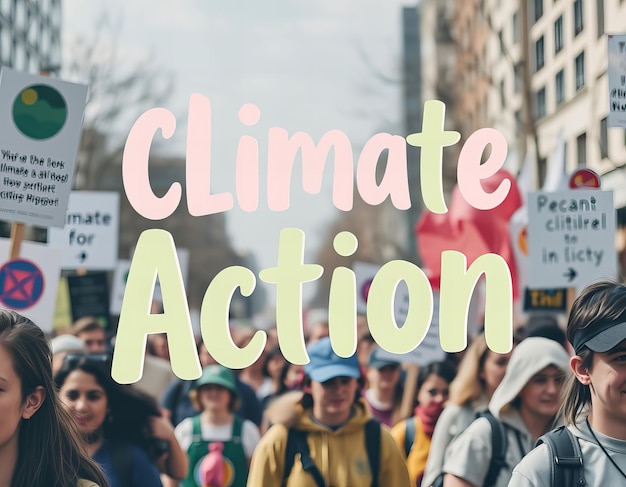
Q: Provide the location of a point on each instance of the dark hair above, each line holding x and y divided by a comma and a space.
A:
129, 409
273, 352
86, 323
597, 302
440, 369
545, 326
50, 451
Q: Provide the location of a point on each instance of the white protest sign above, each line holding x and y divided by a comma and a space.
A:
90, 236
430, 349
571, 238
617, 80
40, 126
29, 283
121, 274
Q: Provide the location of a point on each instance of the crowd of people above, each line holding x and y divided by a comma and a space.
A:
552, 412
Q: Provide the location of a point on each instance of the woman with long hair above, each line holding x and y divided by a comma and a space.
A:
39, 444
123, 428
480, 372
594, 399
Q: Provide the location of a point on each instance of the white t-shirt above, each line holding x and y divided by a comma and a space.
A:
534, 469
250, 434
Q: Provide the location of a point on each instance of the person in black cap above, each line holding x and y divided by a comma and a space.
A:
594, 407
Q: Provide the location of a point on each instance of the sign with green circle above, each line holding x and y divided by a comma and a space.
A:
39, 112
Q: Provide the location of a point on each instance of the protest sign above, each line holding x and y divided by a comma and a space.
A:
617, 80
90, 236
571, 238
28, 284
41, 121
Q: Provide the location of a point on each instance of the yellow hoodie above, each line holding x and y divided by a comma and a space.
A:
340, 455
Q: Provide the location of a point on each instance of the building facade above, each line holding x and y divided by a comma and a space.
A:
30, 35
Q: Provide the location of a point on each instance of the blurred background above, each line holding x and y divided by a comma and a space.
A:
536, 70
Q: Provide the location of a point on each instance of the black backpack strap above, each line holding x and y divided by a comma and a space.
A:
121, 461
498, 448
372, 445
297, 443
409, 435
567, 465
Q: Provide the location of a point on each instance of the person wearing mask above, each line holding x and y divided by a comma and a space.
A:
413, 435
328, 436
594, 408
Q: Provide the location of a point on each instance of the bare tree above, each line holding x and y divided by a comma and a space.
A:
119, 84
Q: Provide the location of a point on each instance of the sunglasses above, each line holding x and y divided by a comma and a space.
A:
71, 360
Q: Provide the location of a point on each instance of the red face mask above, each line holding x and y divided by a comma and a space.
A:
429, 415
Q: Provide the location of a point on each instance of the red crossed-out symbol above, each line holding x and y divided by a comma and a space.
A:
21, 284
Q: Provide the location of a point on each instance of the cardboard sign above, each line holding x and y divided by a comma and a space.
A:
545, 300
617, 80
89, 296
571, 238
90, 236
29, 284
40, 127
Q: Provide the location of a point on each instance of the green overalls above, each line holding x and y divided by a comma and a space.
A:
235, 461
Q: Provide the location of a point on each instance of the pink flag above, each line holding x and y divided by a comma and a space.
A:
468, 230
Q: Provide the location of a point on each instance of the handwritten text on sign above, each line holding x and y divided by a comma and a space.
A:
571, 237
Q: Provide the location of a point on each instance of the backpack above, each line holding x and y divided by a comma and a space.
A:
498, 450
567, 466
297, 443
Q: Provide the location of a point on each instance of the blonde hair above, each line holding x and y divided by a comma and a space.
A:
467, 385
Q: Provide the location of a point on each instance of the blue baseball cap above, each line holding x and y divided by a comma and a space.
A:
325, 364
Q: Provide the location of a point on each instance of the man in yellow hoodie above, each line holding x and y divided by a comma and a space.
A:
331, 418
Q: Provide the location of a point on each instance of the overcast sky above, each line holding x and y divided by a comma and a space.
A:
309, 66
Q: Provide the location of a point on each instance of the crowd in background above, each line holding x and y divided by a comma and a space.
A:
472, 419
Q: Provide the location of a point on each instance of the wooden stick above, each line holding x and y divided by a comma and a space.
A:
17, 236
410, 390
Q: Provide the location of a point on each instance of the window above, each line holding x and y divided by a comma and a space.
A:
538, 9
580, 70
540, 103
539, 57
600, 17
558, 34
578, 17
542, 167
581, 149
515, 28
517, 85
560, 87
604, 139
502, 94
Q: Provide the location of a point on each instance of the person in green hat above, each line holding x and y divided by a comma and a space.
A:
215, 395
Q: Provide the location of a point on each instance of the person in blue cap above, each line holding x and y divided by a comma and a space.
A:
329, 437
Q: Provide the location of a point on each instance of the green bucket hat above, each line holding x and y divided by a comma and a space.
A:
219, 375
